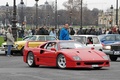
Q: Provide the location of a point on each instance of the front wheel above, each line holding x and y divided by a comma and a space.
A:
31, 60
61, 61
113, 58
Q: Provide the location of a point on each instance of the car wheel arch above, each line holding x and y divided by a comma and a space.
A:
27, 55
33, 64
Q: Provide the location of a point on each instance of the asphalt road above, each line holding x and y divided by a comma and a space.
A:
13, 68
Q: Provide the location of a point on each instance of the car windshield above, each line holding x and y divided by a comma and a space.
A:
81, 39
70, 45
49, 38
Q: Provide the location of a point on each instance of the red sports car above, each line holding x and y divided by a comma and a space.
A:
64, 54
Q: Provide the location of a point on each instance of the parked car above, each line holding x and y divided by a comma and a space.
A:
88, 41
64, 54
19, 45
109, 42
113, 50
109, 38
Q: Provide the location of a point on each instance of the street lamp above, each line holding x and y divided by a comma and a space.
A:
48, 20
111, 20
116, 12
14, 21
7, 11
81, 12
70, 17
22, 15
56, 22
36, 13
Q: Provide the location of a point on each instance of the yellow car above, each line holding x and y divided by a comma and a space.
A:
19, 45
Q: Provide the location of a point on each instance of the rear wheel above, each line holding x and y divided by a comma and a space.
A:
61, 61
31, 60
113, 58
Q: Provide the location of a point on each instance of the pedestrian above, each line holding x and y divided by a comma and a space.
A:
53, 32
64, 33
10, 41
72, 32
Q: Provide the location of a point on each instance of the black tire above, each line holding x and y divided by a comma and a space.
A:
113, 58
31, 60
61, 61
6, 53
21, 51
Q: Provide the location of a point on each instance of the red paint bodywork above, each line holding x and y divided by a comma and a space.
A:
89, 57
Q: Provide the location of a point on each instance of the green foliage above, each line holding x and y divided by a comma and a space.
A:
2, 40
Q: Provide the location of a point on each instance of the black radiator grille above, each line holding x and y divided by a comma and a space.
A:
115, 47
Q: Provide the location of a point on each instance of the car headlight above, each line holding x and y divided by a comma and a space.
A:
2, 45
16, 45
106, 47
76, 58
106, 57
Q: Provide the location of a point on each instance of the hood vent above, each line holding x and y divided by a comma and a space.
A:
77, 51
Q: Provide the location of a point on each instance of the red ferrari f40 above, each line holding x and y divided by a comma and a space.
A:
64, 54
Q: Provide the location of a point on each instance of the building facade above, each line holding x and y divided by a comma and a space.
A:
108, 19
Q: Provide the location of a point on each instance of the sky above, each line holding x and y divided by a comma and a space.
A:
100, 4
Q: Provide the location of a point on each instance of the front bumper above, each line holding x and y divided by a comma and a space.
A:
87, 64
109, 52
6, 49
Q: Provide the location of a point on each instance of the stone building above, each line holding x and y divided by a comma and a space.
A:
108, 18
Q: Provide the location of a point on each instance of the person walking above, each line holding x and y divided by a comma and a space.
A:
10, 41
64, 33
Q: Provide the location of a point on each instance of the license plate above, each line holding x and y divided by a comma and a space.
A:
95, 66
116, 52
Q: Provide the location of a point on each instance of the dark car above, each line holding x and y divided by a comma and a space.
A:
114, 51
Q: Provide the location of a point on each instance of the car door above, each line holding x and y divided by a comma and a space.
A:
48, 56
93, 41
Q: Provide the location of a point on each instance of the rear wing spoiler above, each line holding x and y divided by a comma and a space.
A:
33, 43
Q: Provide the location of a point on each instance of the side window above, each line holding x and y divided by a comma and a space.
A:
49, 38
41, 38
80, 39
89, 40
96, 40
51, 45
110, 38
33, 38
118, 37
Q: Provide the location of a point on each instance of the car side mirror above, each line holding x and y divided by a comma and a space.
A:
53, 49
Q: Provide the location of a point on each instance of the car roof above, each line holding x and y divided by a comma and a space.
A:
62, 41
108, 34
85, 35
